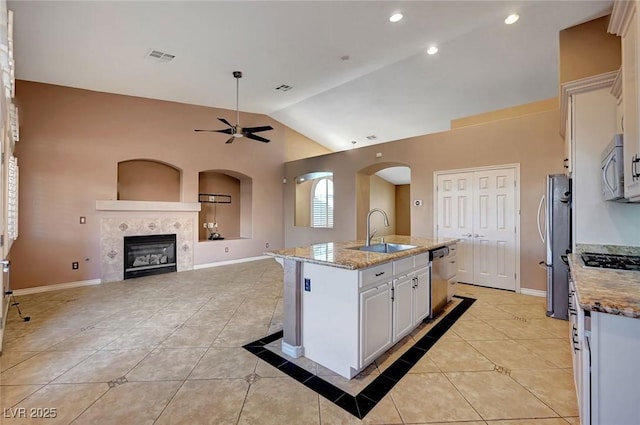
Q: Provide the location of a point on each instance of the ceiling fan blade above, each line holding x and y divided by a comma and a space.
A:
225, 121
254, 137
225, 131
258, 129
230, 140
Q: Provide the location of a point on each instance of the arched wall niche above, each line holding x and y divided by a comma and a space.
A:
230, 218
148, 180
375, 192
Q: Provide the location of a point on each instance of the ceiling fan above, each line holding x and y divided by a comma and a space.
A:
236, 130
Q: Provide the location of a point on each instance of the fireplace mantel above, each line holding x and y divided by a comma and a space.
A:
110, 205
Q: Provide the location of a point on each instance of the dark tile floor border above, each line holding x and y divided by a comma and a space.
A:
362, 403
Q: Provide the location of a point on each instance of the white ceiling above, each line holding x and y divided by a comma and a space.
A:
396, 175
389, 86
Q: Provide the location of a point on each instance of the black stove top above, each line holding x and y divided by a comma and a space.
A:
612, 261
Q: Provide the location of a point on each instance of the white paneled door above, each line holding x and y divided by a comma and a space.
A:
479, 208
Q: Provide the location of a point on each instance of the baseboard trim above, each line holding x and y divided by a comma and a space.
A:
57, 286
534, 292
224, 263
67, 285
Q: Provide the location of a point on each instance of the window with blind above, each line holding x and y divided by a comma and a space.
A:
322, 203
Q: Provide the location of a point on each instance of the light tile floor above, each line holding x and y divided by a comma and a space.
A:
167, 350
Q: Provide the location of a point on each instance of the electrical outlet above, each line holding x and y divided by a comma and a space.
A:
204, 225
74, 265
266, 245
226, 249
307, 284
83, 220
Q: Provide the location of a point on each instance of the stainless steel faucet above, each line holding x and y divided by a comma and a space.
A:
386, 223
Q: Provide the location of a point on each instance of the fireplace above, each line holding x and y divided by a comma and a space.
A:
148, 255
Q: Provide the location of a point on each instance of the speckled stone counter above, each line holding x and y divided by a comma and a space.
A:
606, 291
338, 254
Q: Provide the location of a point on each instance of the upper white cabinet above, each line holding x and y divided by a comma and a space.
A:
624, 22
568, 140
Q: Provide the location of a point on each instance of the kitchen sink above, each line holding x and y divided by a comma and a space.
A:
384, 247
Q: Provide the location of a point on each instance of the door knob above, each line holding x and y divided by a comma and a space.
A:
467, 235
478, 236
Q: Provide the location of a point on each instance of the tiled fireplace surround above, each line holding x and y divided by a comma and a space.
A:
114, 229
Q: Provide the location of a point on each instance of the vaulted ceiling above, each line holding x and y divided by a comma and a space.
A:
353, 73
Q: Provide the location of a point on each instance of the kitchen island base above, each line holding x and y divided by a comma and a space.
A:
345, 306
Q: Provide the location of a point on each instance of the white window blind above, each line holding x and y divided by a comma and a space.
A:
12, 207
322, 203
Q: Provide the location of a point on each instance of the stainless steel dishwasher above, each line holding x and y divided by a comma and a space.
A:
439, 279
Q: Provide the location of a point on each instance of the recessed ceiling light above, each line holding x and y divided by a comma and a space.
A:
512, 19
432, 50
396, 17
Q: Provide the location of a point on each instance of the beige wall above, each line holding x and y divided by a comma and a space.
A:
587, 50
363, 195
142, 180
71, 142
500, 114
383, 196
299, 146
531, 140
226, 215
303, 203
403, 209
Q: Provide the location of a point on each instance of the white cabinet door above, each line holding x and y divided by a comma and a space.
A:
479, 208
375, 322
421, 298
568, 140
630, 56
402, 306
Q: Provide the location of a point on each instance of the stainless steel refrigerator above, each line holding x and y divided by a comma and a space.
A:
554, 226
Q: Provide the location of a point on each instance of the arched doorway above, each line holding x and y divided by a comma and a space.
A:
385, 186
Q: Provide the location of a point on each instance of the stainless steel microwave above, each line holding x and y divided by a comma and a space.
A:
612, 167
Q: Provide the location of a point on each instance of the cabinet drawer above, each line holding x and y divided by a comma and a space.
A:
402, 266
451, 266
421, 260
453, 249
379, 273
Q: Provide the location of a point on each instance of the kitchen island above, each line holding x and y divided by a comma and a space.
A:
604, 311
344, 306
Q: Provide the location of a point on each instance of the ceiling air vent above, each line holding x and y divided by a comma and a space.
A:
283, 87
160, 56
372, 137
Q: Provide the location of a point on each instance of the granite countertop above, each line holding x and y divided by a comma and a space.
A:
337, 254
606, 291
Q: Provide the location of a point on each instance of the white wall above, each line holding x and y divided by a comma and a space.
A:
597, 221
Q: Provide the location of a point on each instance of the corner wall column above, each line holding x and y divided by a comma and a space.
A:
292, 320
